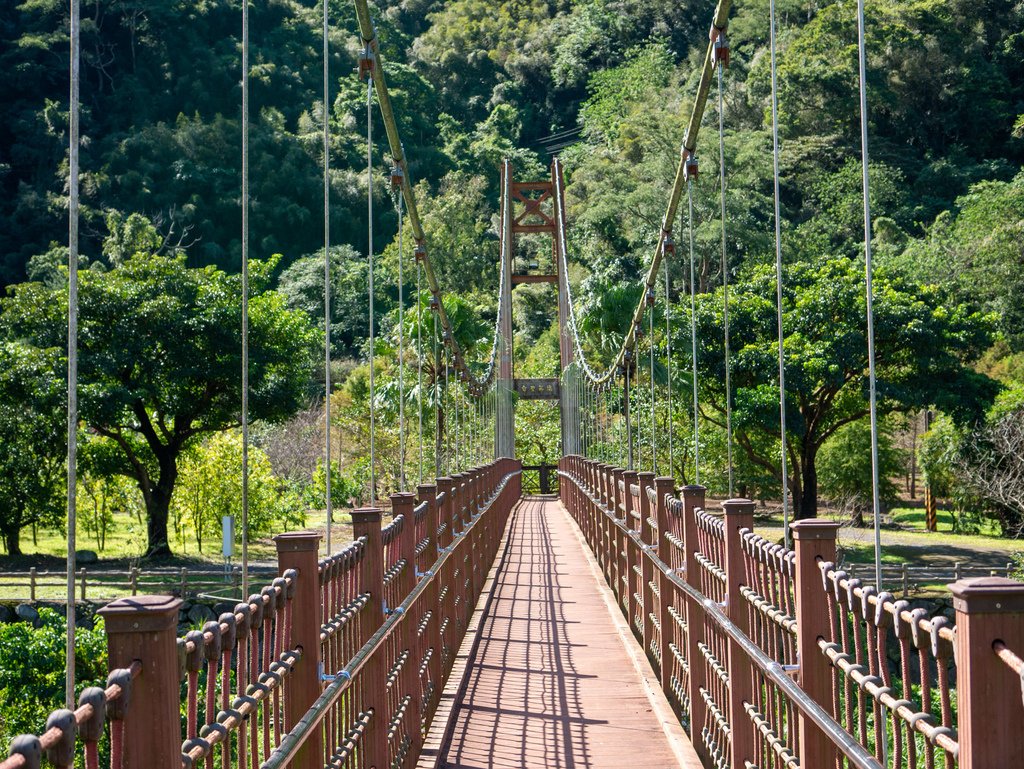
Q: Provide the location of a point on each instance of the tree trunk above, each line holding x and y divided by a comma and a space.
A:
158, 507
12, 540
808, 507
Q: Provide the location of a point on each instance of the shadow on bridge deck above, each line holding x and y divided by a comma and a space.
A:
556, 681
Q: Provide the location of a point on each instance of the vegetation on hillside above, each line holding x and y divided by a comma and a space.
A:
474, 82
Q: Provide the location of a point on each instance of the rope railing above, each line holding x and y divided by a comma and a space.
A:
96, 707
775, 658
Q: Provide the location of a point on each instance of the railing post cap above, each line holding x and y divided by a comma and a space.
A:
141, 614
665, 480
445, 480
693, 489
298, 541
738, 507
426, 489
404, 497
632, 475
645, 475
814, 528
987, 595
367, 515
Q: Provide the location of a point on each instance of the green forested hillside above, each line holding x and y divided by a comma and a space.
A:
609, 83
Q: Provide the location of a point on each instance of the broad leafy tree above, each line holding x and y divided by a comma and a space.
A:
32, 440
924, 346
160, 360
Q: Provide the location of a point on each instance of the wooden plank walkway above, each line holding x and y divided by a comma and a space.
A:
556, 681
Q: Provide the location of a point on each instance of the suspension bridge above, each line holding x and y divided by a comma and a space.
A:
624, 621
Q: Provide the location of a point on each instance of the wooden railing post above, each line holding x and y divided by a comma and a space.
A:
629, 479
646, 592
814, 541
663, 486
604, 518
619, 555
300, 551
404, 503
366, 523
145, 628
444, 516
739, 515
990, 710
428, 493
693, 498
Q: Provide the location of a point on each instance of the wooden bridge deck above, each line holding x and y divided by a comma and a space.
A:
556, 681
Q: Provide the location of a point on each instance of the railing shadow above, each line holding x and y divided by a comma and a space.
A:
523, 705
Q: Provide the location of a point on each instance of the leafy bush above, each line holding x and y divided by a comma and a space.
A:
32, 670
844, 468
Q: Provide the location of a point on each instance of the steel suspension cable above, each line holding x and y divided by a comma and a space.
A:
401, 352
369, 257
419, 364
725, 281
445, 358
245, 298
654, 440
668, 371
778, 277
436, 397
327, 276
72, 373
629, 425
869, 281
693, 338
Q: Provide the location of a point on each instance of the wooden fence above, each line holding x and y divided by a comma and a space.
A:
98, 585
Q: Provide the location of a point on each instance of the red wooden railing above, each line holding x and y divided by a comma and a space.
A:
777, 658
383, 617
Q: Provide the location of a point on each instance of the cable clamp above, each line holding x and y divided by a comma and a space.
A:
343, 675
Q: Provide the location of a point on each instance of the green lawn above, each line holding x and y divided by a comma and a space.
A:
914, 518
124, 548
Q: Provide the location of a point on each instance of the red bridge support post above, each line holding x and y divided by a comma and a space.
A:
739, 515
693, 498
145, 628
300, 551
373, 686
814, 541
989, 695
646, 592
663, 486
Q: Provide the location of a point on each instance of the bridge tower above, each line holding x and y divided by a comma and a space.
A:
531, 208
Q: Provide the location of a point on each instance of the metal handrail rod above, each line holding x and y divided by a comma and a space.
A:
859, 757
294, 740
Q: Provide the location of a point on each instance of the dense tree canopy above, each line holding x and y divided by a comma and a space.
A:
606, 83
160, 363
